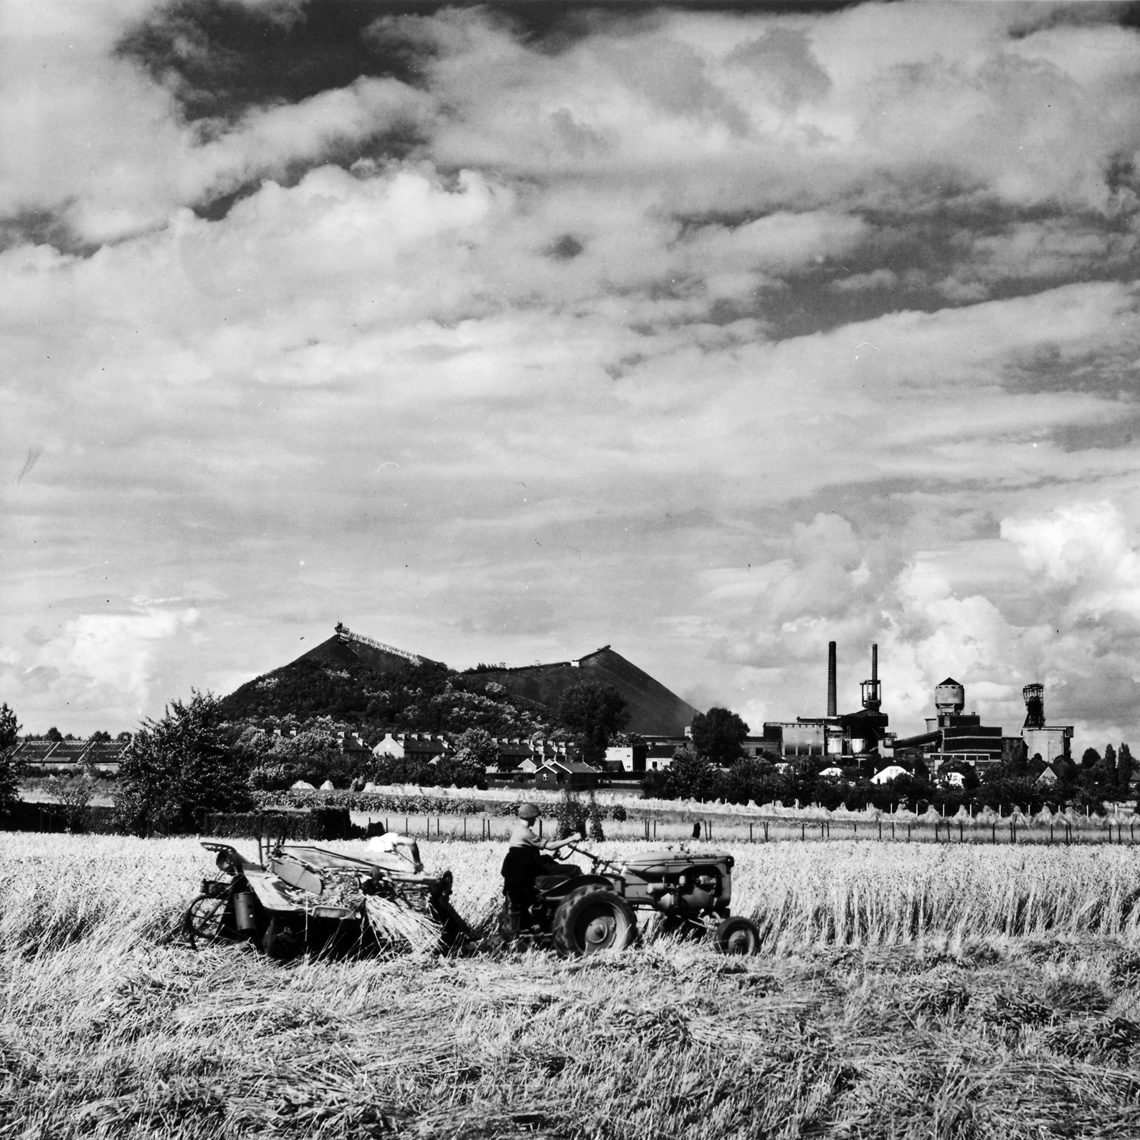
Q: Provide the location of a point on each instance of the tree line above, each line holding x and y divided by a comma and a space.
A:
198, 758
1086, 786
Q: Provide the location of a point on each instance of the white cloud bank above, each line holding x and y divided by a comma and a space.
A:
711, 336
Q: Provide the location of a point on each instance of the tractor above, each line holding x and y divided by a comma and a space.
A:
583, 913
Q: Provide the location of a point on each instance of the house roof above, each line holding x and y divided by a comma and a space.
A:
415, 743
890, 772
554, 762
70, 751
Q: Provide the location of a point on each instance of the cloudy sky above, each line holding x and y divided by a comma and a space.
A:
501, 333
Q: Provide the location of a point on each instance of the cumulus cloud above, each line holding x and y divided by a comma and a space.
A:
115, 649
96, 665
94, 140
716, 336
1085, 549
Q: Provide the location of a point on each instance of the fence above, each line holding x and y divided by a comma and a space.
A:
774, 829
325, 824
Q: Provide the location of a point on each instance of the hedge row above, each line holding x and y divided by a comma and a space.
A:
382, 804
53, 817
321, 823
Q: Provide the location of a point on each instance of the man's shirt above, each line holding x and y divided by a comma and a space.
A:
523, 835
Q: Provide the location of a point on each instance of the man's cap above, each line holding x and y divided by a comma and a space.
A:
528, 811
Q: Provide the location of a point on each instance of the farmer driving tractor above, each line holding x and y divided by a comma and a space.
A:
521, 867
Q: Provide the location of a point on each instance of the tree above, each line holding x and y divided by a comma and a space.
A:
54, 734
177, 767
10, 768
480, 748
718, 735
1123, 772
691, 776
594, 712
475, 752
1090, 758
100, 738
757, 780
1109, 761
464, 768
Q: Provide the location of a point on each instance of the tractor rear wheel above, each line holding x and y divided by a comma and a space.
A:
204, 922
591, 919
737, 935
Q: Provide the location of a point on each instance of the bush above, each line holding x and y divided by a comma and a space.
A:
178, 767
10, 768
595, 818
74, 794
571, 814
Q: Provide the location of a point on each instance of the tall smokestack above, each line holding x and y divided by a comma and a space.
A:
831, 704
874, 662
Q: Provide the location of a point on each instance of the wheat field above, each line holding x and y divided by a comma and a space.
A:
902, 991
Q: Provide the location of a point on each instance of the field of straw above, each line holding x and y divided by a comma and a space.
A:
903, 991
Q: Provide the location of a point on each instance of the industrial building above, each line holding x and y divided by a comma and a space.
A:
952, 735
847, 736
1050, 742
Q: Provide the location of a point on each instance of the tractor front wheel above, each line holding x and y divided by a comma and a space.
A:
204, 922
591, 919
737, 935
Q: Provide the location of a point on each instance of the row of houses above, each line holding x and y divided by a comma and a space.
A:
48, 756
537, 760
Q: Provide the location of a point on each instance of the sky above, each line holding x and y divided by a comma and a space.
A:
501, 333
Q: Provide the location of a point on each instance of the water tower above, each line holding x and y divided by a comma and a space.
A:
949, 698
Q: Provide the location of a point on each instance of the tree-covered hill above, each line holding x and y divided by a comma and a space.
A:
410, 697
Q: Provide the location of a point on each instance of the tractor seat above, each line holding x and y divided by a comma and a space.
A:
556, 878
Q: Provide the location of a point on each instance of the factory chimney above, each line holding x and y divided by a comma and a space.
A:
831, 702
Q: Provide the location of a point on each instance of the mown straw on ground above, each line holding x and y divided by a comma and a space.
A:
909, 996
